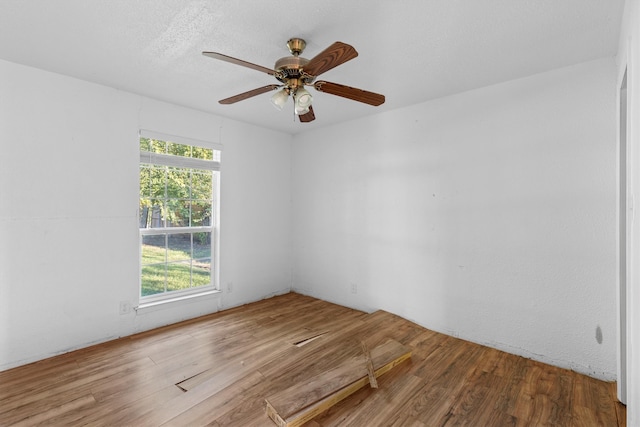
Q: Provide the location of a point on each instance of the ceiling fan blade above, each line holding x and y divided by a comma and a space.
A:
248, 94
216, 55
308, 117
353, 93
336, 54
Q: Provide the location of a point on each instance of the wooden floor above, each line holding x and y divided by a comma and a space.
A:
218, 369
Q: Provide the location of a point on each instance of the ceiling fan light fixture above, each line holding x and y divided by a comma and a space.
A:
303, 99
279, 98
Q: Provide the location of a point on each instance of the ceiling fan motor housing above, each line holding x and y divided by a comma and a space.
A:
289, 67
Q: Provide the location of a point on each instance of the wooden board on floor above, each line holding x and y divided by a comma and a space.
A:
301, 402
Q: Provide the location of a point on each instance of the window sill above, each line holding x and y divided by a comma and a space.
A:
176, 301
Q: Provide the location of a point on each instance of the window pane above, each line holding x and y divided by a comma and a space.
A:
179, 247
153, 265
152, 181
178, 149
151, 213
177, 213
153, 279
145, 213
202, 153
153, 249
202, 184
200, 213
157, 146
145, 181
145, 144
178, 275
178, 183
202, 245
201, 272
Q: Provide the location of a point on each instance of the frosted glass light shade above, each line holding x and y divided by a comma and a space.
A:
303, 98
279, 98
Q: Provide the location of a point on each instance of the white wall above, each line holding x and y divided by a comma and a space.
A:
68, 211
488, 215
629, 58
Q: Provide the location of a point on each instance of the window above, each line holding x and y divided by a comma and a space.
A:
178, 217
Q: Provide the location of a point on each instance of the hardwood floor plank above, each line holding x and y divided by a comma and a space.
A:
120, 410
594, 401
67, 386
248, 410
407, 421
379, 408
46, 416
425, 343
245, 391
293, 357
474, 400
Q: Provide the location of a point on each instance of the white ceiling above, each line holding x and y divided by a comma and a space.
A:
409, 50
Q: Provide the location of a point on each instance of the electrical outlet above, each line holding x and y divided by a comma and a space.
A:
125, 307
229, 287
354, 288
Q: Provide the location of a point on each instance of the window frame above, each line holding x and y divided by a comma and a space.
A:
161, 159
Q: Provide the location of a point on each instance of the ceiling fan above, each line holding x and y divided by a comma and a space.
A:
295, 72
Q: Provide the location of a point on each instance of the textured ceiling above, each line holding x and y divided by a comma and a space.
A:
409, 50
